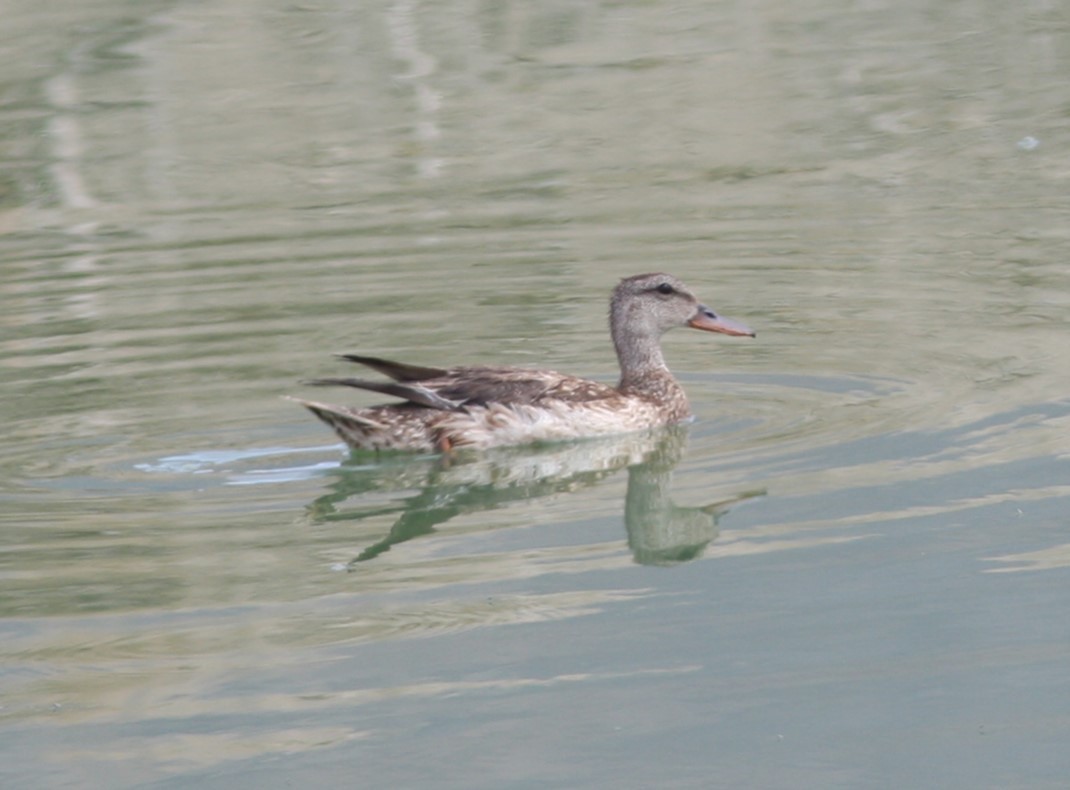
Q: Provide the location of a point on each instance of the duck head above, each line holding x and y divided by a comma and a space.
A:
651, 304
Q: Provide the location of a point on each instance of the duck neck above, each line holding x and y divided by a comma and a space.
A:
639, 355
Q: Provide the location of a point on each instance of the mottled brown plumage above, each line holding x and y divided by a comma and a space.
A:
480, 407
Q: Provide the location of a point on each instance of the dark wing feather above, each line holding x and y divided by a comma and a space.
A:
481, 391
398, 371
410, 392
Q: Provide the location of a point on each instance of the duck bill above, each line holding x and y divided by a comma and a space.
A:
708, 321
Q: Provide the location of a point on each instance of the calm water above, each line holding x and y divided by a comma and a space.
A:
853, 570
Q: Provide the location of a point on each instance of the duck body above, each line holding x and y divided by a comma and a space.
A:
496, 406
443, 409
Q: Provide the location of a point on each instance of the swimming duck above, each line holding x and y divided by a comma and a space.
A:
480, 407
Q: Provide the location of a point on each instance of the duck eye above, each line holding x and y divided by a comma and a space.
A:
665, 288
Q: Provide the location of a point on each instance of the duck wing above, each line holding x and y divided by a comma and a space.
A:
516, 386
398, 371
414, 393
454, 388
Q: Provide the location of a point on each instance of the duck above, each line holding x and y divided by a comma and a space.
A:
442, 410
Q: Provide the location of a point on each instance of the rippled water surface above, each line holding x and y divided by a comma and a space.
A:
852, 570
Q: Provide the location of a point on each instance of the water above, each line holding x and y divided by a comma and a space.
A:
850, 571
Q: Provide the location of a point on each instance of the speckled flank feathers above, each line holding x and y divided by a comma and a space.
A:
480, 407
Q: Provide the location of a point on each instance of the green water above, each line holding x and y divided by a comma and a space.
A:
200, 203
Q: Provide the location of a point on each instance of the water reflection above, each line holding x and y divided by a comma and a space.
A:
660, 532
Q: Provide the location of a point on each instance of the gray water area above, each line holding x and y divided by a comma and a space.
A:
852, 570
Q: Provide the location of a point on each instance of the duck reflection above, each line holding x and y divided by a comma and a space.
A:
659, 531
